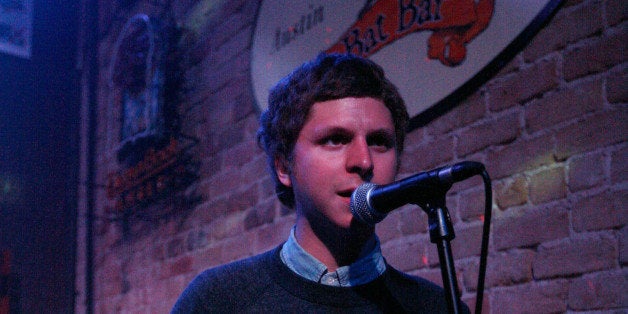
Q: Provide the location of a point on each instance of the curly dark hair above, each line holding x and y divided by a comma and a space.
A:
328, 77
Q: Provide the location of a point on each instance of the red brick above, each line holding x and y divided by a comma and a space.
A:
521, 86
206, 258
592, 132
202, 20
599, 291
241, 200
175, 247
467, 241
568, 26
107, 306
181, 7
207, 212
548, 185
230, 26
432, 274
521, 155
236, 247
270, 235
196, 239
563, 105
501, 130
222, 84
470, 300
470, 110
157, 252
134, 299
112, 280
617, 87
249, 119
619, 165
575, 256
227, 137
535, 297
470, 205
263, 213
502, 269
605, 210
415, 138
595, 55
623, 246
513, 65
165, 289
412, 220
179, 266
404, 221
143, 275
586, 172
522, 228
388, 228
257, 170
406, 253
428, 155
222, 184
511, 192
226, 227
616, 11
237, 45
220, 106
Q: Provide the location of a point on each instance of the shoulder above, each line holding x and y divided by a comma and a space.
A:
406, 288
407, 281
238, 271
222, 286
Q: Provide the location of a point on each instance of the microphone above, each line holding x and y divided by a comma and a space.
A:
370, 203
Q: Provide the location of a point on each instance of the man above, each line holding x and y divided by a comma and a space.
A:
332, 124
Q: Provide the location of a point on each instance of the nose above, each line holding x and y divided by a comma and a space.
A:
359, 160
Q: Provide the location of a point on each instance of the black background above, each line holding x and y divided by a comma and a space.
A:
39, 140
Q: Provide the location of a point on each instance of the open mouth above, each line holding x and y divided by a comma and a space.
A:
346, 193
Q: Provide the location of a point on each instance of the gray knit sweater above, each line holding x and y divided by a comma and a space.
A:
263, 284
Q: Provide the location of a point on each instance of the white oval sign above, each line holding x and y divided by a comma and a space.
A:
430, 49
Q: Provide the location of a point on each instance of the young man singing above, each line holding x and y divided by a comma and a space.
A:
331, 125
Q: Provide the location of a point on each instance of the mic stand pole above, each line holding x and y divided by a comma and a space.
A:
441, 233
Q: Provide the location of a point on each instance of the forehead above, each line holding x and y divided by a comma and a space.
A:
352, 113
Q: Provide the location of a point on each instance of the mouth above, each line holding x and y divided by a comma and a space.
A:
346, 193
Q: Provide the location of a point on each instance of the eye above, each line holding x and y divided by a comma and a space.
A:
335, 139
382, 141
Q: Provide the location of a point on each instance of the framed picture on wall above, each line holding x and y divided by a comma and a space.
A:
16, 27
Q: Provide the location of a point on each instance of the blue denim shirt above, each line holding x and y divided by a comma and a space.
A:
368, 267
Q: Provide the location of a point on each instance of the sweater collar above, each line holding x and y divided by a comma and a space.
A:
364, 270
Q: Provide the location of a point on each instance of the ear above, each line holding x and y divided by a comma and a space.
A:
283, 172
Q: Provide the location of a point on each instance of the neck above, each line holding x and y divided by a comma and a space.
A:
332, 245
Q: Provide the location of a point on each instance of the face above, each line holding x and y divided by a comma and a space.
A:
344, 143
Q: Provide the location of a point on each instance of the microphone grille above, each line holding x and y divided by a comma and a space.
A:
360, 207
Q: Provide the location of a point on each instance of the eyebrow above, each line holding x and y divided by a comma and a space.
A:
383, 132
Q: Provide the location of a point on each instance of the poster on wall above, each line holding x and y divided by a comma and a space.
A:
16, 26
436, 51
153, 155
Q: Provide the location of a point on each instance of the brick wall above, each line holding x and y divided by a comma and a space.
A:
550, 127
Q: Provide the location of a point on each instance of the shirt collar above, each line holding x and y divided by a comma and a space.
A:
368, 267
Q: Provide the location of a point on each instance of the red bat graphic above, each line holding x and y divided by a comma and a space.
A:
454, 22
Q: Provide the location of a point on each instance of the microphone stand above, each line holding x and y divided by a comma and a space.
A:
441, 233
